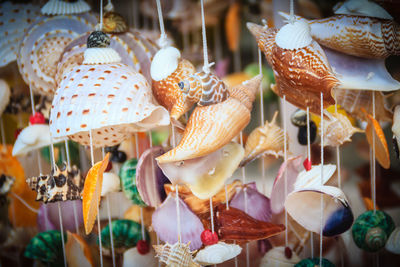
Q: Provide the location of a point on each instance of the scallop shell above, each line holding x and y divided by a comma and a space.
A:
300, 74
176, 255
211, 127
264, 140
360, 36
338, 129
312, 178
65, 7
217, 253
4, 95
393, 243
276, 258
111, 183
112, 100
127, 173
362, 8
396, 129
15, 20
42, 46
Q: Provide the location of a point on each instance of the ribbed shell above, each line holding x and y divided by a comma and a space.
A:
111, 99
217, 253
176, 255
65, 7
15, 19
374, 131
114, 23
338, 129
43, 45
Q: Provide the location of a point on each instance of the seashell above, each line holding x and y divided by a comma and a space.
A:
205, 175
42, 46
359, 36
312, 178
47, 248
233, 26
361, 8
135, 212
60, 185
338, 129
6, 182
132, 257
111, 183
167, 70
374, 131
176, 255
303, 205
127, 173
98, 50
264, 140
372, 229
217, 253
164, 221
302, 134
396, 130
302, 73
353, 100
211, 127
314, 262
49, 217
4, 95
292, 166
299, 118
77, 252
204, 89
393, 243
97, 39
65, 7
114, 23
15, 20
234, 224
276, 257
79, 105
126, 234
201, 207
150, 179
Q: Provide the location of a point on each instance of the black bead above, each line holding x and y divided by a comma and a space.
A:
118, 156
302, 134
98, 39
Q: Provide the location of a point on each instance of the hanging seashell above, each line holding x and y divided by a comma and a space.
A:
4, 95
135, 213
396, 130
65, 7
127, 172
372, 229
264, 140
176, 255
111, 183
277, 257
164, 223
77, 252
314, 262
167, 70
49, 217
114, 23
301, 69
303, 205
393, 243
132, 257
299, 118
201, 207
211, 127
232, 26
204, 89
217, 253
361, 8
312, 177
360, 36
61, 185
42, 46
338, 129
6, 182
15, 19
234, 224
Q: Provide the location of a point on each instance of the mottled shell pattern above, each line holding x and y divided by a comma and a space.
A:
15, 19
176, 255
204, 89
264, 140
65, 7
60, 185
338, 129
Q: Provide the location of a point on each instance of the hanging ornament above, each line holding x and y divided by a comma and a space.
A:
133, 257
277, 257
112, 21
302, 134
127, 173
299, 118
64, 7
217, 253
311, 262
49, 217
393, 242
111, 183
177, 254
232, 26
78, 252
361, 8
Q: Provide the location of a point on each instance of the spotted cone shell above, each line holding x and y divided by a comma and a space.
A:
112, 100
42, 46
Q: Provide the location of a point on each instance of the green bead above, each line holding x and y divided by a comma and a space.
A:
311, 262
372, 229
127, 173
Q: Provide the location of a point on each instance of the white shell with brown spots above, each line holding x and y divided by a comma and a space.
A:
112, 100
42, 46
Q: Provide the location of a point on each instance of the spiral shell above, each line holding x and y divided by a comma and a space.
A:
176, 255
217, 253
65, 7
114, 23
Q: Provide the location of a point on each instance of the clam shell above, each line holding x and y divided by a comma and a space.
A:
217, 253
294, 36
206, 175
393, 243
15, 20
4, 95
111, 183
362, 8
132, 257
312, 178
303, 205
113, 100
276, 258
42, 46
61, 7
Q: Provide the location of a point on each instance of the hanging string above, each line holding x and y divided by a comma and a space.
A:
309, 158
101, 15
133, 181
245, 202
285, 159
292, 18
163, 37
206, 67
322, 179
212, 215
373, 157
109, 7
25, 203
262, 119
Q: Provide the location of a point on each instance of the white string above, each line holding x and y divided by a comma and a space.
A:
133, 182
178, 213
74, 202
212, 215
309, 158
206, 67
292, 18
32, 100
322, 179
285, 159
101, 15
62, 232
373, 157
163, 37
245, 202
25, 203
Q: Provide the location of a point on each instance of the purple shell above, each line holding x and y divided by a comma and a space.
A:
48, 218
165, 223
258, 205
43, 221
150, 179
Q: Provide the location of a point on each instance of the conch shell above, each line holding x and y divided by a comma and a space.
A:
217, 253
264, 140
211, 127
176, 255
300, 66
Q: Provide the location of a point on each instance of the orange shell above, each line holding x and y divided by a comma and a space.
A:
369, 205
232, 26
92, 192
76, 242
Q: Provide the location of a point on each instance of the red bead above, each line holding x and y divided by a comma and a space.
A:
307, 164
37, 118
208, 237
142, 247
288, 253
109, 167
17, 132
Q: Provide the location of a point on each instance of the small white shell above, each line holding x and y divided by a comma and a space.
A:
393, 243
362, 8
294, 35
60, 7
100, 55
164, 63
276, 258
217, 253
4, 95
312, 177
111, 183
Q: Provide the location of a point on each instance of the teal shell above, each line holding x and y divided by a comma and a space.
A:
47, 248
127, 174
371, 230
311, 262
126, 233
